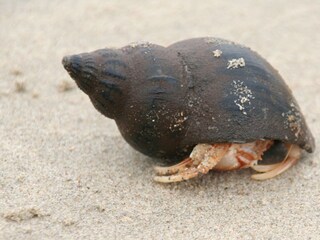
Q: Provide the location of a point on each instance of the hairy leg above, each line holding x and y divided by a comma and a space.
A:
202, 159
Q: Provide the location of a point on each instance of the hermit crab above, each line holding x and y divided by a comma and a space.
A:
208, 102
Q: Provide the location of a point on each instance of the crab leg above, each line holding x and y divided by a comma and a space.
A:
211, 155
293, 155
173, 169
185, 175
265, 168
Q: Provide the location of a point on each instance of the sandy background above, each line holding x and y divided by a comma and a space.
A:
65, 172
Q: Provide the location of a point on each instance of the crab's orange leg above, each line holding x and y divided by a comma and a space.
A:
210, 157
181, 176
265, 168
173, 169
293, 155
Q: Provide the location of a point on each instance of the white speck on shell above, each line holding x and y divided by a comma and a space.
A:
139, 44
217, 41
186, 68
212, 128
243, 95
217, 53
178, 123
236, 63
292, 120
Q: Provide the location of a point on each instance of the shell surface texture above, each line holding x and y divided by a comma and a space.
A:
208, 102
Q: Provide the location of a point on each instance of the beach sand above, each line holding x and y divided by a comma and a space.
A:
65, 171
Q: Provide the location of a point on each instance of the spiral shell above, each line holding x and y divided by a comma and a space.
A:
165, 100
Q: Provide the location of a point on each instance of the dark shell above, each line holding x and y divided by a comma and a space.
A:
204, 90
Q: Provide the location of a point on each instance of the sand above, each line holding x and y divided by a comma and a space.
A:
65, 172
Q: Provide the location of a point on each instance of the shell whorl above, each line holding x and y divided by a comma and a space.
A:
101, 75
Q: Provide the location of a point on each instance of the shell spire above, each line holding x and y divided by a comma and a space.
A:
101, 75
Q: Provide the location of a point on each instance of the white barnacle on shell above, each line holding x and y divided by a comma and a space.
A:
292, 119
139, 44
243, 95
217, 53
236, 63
